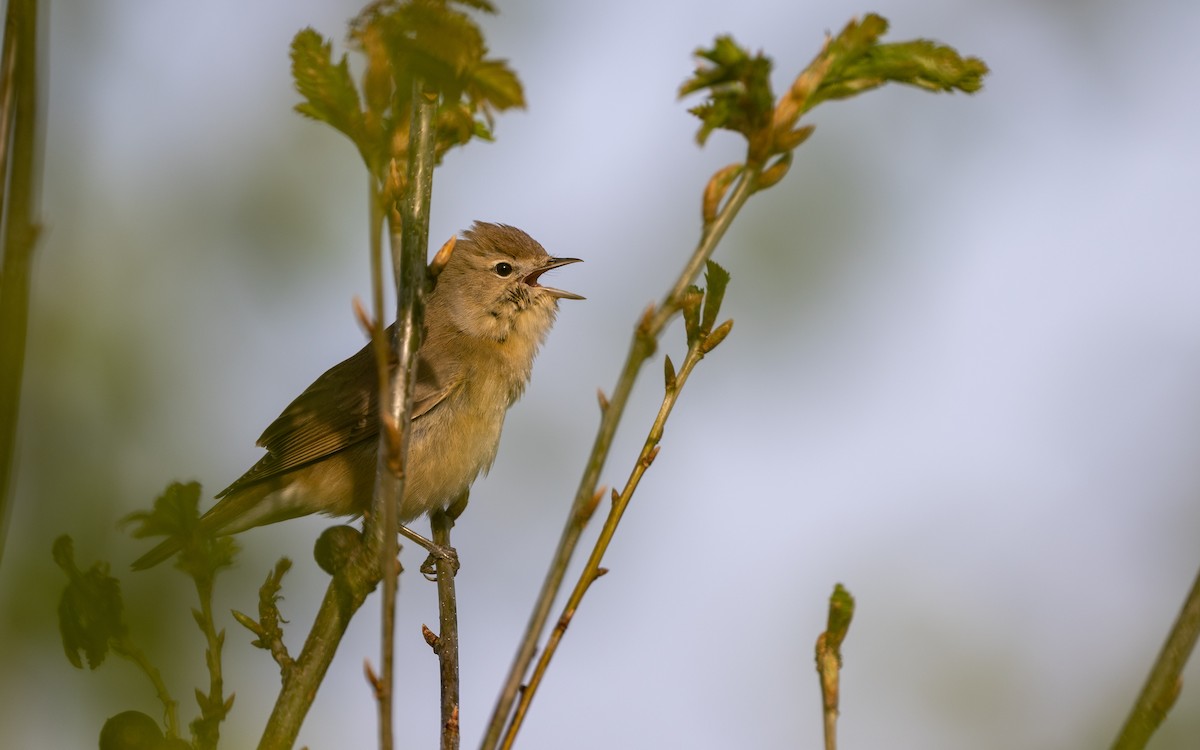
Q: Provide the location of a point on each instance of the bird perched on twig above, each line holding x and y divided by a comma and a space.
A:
484, 321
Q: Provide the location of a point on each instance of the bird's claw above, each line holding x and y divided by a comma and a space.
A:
439, 554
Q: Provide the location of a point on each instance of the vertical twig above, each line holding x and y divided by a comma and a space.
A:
213, 707
19, 166
702, 339
1164, 682
442, 521
408, 228
384, 687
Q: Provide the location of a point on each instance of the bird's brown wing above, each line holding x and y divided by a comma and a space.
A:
340, 409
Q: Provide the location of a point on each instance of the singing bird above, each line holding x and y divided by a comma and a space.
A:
485, 319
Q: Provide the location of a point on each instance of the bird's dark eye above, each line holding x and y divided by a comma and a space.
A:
503, 269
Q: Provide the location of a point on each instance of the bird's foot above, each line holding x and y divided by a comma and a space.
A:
437, 553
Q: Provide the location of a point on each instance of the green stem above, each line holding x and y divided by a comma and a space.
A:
411, 228
1164, 682
18, 202
213, 713
591, 570
170, 707
641, 348
352, 584
346, 593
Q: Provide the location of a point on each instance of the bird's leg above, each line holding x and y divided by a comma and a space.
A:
436, 552
439, 548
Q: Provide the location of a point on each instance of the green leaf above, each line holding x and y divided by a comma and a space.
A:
443, 48
496, 84
328, 90
91, 613
738, 86
716, 279
176, 514
860, 63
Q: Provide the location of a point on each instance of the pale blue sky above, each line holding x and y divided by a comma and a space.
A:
962, 380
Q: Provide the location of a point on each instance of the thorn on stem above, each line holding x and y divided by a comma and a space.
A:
602, 399
363, 317
669, 376
372, 678
586, 513
600, 573
431, 638
649, 457
393, 441
438, 264
249, 624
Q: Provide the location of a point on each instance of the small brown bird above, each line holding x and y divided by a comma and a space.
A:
484, 321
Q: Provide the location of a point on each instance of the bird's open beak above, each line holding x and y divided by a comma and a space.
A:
552, 263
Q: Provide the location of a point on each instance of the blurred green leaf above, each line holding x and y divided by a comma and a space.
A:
176, 514
498, 85
443, 48
859, 63
328, 90
91, 612
739, 89
716, 279
739, 96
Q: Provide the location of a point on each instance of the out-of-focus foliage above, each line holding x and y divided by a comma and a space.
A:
418, 40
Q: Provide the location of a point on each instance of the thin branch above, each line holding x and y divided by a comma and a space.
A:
19, 171
346, 593
267, 629
213, 707
409, 231
125, 648
640, 349
447, 642
592, 570
387, 486
1164, 682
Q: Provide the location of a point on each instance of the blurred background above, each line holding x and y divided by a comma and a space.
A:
963, 379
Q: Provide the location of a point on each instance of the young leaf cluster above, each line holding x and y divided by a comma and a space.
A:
431, 41
176, 514
739, 95
91, 612
92, 619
